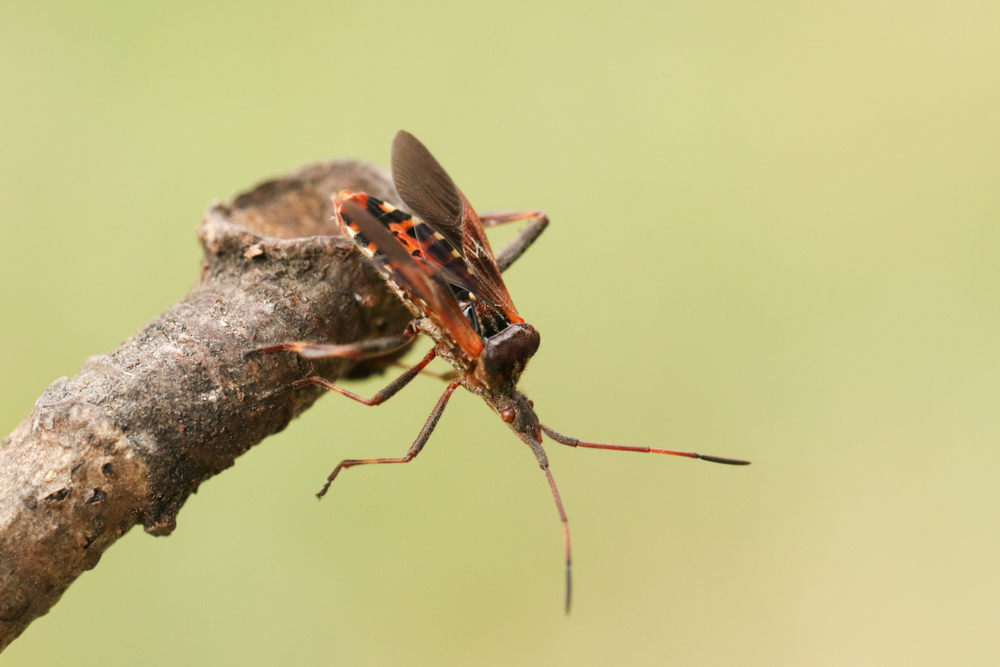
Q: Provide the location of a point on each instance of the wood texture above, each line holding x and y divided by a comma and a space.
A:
130, 437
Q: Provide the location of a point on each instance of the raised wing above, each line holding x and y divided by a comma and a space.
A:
479, 256
426, 290
426, 187
429, 192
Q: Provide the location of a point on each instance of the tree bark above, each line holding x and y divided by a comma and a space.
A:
130, 437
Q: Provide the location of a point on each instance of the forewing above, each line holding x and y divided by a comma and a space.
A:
479, 256
425, 187
429, 290
429, 192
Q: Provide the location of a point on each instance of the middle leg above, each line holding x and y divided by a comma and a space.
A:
381, 397
415, 448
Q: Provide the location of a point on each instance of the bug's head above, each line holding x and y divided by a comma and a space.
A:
505, 355
518, 412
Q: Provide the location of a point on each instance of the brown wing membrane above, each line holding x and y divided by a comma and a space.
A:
426, 187
432, 290
479, 256
430, 193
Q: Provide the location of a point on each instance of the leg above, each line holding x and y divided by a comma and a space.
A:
573, 442
379, 398
415, 448
364, 349
447, 376
538, 221
497, 218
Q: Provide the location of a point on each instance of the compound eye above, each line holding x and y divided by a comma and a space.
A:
507, 415
531, 403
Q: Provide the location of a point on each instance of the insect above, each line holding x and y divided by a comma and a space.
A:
437, 259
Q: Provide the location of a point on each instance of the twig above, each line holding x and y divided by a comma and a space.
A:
130, 437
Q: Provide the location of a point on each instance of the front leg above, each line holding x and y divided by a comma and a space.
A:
378, 399
447, 376
537, 222
365, 349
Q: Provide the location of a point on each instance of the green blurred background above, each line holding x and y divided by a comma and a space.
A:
774, 236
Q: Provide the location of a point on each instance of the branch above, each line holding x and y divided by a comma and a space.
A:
130, 437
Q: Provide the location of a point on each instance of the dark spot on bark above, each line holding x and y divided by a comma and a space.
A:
107, 469
57, 496
30, 502
99, 495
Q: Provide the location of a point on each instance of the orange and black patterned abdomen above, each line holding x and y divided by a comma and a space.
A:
428, 248
431, 250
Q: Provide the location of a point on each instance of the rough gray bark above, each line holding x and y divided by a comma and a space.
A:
130, 437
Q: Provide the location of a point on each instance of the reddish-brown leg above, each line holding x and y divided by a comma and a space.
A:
379, 398
538, 221
447, 376
573, 442
364, 349
497, 218
415, 448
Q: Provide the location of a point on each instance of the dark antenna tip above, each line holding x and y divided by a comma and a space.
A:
569, 588
719, 459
